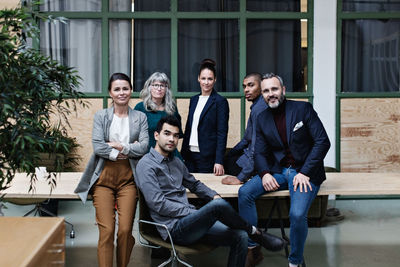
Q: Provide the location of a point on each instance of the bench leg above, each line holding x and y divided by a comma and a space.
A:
276, 206
283, 233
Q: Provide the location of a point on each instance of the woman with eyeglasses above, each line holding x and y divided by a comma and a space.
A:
206, 128
157, 103
119, 138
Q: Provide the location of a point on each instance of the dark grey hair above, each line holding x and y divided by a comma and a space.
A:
145, 94
273, 75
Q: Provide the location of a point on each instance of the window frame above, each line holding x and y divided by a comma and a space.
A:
347, 15
174, 15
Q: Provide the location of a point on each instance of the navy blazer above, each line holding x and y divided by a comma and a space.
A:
246, 145
212, 129
307, 140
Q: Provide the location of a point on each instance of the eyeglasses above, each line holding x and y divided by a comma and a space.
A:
159, 86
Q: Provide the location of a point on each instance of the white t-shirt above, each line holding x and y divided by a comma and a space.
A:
194, 140
119, 132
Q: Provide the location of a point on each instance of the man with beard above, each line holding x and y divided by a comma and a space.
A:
163, 180
291, 143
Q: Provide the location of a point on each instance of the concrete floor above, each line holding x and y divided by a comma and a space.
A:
369, 235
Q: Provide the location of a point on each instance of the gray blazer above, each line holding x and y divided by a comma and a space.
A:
100, 136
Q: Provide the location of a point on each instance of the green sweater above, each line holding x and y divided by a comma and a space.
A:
152, 119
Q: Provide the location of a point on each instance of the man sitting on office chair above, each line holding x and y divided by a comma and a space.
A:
163, 179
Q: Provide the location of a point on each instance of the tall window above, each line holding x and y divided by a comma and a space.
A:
370, 46
139, 37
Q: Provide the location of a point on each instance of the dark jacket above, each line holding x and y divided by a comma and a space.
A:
307, 140
212, 129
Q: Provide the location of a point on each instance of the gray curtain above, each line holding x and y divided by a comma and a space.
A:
371, 6
152, 49
214, 39
275, 46
370, 55
208, 5
76, 44
120, 43
273, 5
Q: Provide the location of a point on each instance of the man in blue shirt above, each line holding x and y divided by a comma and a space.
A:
163, 179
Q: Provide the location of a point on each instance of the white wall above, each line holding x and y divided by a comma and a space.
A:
324, 78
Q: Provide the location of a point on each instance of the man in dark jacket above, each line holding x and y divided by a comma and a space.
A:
291, 143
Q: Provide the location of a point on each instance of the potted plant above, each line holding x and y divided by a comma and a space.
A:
36, 96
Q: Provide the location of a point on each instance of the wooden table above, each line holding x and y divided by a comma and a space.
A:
32, 241
339, 183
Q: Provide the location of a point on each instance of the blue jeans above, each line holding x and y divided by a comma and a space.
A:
300, 203
215, 223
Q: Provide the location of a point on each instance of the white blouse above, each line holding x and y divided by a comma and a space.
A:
194, 140
119, 132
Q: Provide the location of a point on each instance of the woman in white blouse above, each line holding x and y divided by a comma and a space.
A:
119, 139
206, 130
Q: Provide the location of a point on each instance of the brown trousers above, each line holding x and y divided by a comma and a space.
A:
115, 189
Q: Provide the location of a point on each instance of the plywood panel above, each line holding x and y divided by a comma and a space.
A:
81, 129
9, 3
370, 135
234, 122
183, 108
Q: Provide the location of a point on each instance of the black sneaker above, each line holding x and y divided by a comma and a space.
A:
268, 241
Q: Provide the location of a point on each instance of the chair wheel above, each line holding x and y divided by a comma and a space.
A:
72, 234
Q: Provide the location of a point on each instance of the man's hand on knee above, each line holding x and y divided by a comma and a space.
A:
302, 181
269, 182
231, 180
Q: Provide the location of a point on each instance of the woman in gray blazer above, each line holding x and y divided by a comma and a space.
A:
119, 138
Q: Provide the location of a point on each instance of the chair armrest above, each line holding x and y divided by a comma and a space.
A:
160, 225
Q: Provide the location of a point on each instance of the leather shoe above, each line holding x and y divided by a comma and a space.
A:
268, 241
254, 256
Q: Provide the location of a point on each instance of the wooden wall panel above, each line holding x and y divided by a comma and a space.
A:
9, 3
81, 124
370, 135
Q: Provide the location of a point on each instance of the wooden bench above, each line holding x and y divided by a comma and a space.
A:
344, 184
339, 183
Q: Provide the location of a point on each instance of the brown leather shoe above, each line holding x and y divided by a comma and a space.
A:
254, 257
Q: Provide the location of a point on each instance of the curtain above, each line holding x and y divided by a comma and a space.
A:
152, 49
76, 44
208, 5
371, 55
275, 46
214, 39
273, 5
70, 5
371, 6
120, 40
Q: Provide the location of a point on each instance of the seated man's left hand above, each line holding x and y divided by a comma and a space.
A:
302, 181
231, 180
